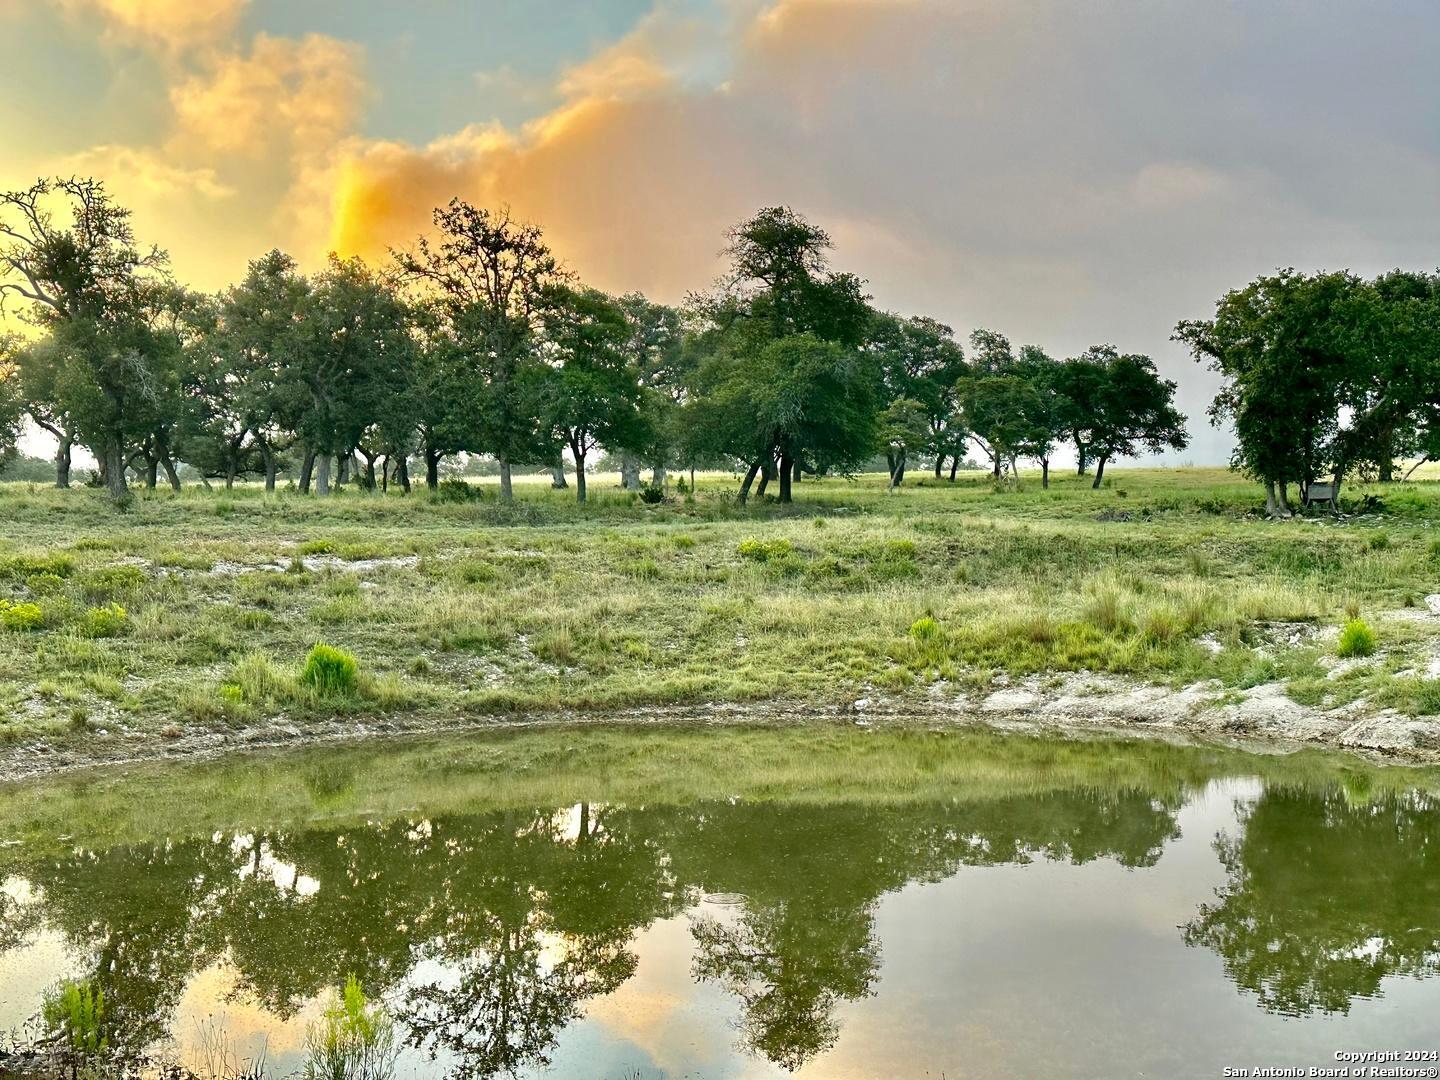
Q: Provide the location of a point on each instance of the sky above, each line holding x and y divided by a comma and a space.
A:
1068, 172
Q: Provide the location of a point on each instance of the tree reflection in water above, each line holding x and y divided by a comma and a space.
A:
489, 933
1328, 893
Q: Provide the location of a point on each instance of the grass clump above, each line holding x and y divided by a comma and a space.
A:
1357, 639
74, 1016
331, 672
353, 1040
763, 551
112, 582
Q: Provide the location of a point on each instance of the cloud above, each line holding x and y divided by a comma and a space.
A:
138, 174
295, 95
174, 24
1066, 173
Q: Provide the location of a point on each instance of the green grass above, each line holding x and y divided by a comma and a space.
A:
173, 616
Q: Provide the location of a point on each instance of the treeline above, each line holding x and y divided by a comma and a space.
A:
1325, 374
476, 340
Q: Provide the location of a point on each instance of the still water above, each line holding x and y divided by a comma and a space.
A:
1116, 910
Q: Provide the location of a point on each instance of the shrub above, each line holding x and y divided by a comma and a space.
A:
74, 1015
331, 672
1357, 639
455, 491
1378, 541
317, 547
766, 550
21, 616
652, 494
108, 620
352, 1040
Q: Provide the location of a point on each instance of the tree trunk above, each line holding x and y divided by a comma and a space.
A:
1045, 474
939, 465
507, 489
745, 485
322, 475
402, 474
692, 480
432, 468
152, 471
62, 460
787, 470
629, 472
171, 476
1099, 472
307, 470
657, 476
1387, 455
954, 466
1081, 464
268, 453
767, 472
385, 474
897, 470
114, 468
995, 472
1274, 504
557, 477
343, 476
1411, 471
1285, 498
369, 470
579, 474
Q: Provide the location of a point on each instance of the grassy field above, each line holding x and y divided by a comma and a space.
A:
195, 612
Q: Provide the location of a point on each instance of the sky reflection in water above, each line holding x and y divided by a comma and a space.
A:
1078, 932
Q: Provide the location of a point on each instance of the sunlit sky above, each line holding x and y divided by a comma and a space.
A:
1065, 172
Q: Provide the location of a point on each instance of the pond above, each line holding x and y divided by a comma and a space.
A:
603, 903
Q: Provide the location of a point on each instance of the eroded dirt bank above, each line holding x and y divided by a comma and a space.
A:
1261, 718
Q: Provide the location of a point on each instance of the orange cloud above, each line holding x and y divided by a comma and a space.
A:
299, 95
171, 23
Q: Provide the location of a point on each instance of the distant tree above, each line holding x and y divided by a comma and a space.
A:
1284, 360
489, 278
904, 429
1392, 389
592, 392
655, 349
12, 399
254, 385
985, 393
921, 362
353, 349
1047, 412
87, 282
39, 364
783, 375
1119, 407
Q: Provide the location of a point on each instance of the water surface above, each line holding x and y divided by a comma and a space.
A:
881, 904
